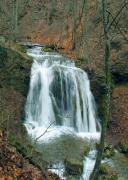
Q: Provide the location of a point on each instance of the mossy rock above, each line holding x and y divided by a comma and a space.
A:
64, 148
73, 166
47, 50
51, 48
14, 70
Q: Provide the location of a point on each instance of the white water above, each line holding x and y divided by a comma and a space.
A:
89, 163
60, 101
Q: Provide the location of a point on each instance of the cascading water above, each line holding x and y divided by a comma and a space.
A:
59, 92
59, 98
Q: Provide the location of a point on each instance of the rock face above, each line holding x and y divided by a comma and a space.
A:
14, 83
14, 70
118, 125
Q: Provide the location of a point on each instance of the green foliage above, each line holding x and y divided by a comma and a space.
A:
104, 168
47, 50
20, 48
123, 148
51, 48
108, 152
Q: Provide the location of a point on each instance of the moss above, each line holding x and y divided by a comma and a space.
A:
47, 50
51, 48
73, 166
65, 147
80, 62
14, 70
25, 147
104, 169
20, 48
107, 173
108, 152
123, 148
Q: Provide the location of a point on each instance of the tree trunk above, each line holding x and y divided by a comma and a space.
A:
74, 25
94, 175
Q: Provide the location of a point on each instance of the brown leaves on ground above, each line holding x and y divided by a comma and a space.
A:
13, 165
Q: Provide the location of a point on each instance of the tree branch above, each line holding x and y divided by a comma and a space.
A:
43, 132
116, 26
118, 13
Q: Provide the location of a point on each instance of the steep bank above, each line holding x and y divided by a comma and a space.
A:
16, 157
14, 165
14, 83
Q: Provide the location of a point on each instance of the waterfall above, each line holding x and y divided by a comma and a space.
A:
60, 101
59, 95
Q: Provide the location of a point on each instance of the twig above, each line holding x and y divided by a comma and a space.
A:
116, 26
118, 13
43, 132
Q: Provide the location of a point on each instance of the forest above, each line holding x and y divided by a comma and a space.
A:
63, 90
